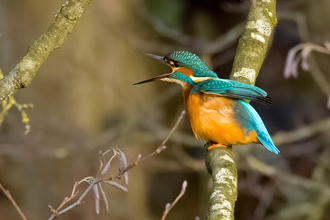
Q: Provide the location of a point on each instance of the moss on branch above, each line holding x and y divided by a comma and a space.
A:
249, 57
24, 72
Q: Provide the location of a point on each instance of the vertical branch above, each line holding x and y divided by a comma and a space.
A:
220, 164
249, 57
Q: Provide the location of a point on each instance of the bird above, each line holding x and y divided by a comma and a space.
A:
218, 109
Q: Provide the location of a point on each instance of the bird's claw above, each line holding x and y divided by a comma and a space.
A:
216, 145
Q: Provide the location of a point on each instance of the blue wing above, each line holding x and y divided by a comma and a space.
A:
255, 123
234, 89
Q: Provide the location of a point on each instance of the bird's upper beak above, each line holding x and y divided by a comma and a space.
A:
160, 59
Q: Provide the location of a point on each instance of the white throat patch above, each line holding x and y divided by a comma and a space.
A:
173, 81
200, 79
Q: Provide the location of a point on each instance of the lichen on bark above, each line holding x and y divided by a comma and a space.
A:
253, 44
221, 166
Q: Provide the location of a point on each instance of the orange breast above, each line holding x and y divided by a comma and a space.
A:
212, 119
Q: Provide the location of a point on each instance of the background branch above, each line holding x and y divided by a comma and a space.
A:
24, 72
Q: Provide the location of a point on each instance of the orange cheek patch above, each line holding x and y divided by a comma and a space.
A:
184, 70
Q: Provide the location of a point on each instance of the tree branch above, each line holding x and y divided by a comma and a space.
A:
220, 164
24, 72
253, 44
249, 57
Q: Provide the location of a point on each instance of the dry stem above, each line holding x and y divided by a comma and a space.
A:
170, 206
7, 193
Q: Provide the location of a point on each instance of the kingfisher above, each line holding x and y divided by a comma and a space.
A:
218, 111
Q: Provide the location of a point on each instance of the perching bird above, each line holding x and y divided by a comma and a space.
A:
217, 108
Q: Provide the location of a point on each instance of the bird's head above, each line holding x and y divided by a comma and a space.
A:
186, 68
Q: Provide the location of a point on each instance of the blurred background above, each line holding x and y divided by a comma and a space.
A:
84, 103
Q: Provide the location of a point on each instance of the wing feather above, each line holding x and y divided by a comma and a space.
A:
235, 90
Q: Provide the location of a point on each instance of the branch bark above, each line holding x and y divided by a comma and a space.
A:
253, 44
249, 57
24, 72
220, 164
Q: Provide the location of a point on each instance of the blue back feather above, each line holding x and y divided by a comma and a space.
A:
232, 89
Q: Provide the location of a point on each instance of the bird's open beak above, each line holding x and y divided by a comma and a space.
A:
160, 59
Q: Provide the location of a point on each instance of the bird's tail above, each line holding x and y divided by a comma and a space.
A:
260, 128
266, 140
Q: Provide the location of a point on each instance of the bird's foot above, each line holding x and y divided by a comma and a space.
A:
216, 145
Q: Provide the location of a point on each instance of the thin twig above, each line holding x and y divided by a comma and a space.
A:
65, 200
78, 202
157, 151
170, 206
174, 128
168, 136
7, 193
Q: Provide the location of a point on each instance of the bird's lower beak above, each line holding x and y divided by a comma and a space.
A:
167, 75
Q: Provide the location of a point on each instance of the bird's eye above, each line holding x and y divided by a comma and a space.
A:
174, 64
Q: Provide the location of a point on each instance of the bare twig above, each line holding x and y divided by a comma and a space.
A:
78, 202
66, 199
7, 193
170, 206
104, 166
174, 128
160, 148
157, 151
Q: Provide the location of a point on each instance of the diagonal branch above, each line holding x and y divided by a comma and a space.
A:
24, 72
7, 193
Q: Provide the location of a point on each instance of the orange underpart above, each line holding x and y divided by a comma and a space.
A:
216, 145
212, 119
